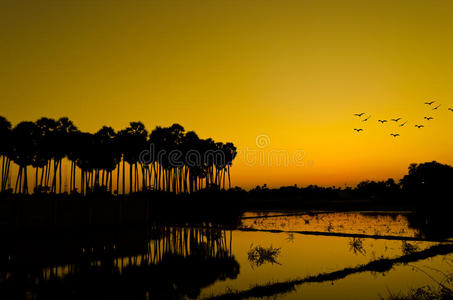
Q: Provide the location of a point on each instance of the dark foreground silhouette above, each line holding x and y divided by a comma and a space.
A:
425, 189
379, 266
160, 262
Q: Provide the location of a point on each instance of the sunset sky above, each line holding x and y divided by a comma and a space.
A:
293, 72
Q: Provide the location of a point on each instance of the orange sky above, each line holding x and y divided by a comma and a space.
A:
294, 71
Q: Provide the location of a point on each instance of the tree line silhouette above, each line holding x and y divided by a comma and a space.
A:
184, 162
426, 187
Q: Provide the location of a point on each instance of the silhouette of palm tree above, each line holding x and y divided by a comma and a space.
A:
133, 142
45, 143
24, 141
45, 152
190, 144
62, 136
5, 150
106, 158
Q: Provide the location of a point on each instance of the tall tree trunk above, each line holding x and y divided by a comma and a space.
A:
60, 176
25, 188
143, 178
8, 177
41, 181
3, 173
229, 178
54, 180
70, 177
111, 181
118, 179
92, 181
48, 174
130, 177
124, 172
18, 180
82, 185
137, 183
36, 179
45, 174
74, 177
158, 177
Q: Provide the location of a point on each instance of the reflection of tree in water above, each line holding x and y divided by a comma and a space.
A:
258, 255
170, 263
290, 237
356, 246
408, 248
431, 225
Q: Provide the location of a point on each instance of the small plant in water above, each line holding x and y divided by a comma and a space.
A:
408, 248
290, 237
422, 293
257, 256
356, 245
329, 227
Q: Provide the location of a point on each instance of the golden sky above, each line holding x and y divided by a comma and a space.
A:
295, 71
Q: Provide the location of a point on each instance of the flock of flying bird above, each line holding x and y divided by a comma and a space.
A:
396, 120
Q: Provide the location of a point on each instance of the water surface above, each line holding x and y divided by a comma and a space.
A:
198, 261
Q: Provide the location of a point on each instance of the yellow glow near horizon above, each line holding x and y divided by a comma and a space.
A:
295, 71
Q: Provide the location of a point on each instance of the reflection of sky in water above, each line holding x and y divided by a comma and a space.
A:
305, 255
358, 223
300, 255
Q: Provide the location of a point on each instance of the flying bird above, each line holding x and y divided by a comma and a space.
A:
364, 120
359, 115
419, 126
429, 118
394, 134
436, 107
382, 121
395, 120
358, 129
430, 103
402, 124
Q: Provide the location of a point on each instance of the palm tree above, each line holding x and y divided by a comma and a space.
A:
84, 160
5, 150
45, 150
174, 137
106, 156
133, 142
64, 130
230, 154
189, 147
24, 136
181, 162
73, 153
